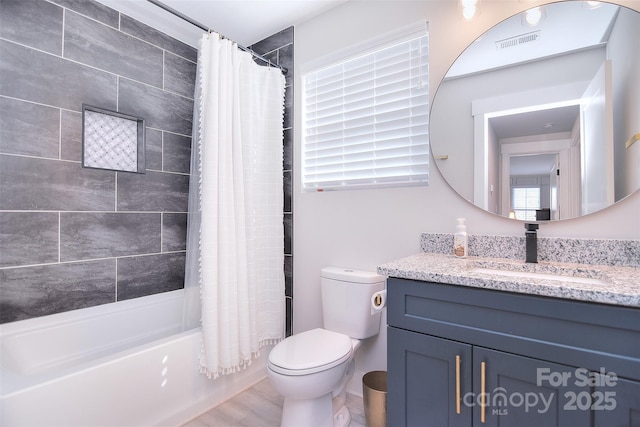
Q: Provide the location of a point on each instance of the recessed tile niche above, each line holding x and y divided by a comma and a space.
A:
112, 140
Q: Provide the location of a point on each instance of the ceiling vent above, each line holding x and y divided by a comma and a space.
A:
518, 40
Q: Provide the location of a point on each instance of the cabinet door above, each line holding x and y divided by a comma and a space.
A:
617, 404
521, 391
427, 378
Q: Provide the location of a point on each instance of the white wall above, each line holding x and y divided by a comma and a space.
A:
361, 229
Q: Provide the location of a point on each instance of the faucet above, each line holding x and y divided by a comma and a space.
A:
531, 242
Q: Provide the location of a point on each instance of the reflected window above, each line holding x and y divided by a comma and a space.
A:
525, 201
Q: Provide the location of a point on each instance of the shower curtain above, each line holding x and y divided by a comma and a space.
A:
234, 278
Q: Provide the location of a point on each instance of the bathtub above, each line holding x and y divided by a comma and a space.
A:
121, 364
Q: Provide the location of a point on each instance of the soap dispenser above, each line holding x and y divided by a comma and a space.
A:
460, 239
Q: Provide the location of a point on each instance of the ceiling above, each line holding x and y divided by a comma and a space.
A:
243, 21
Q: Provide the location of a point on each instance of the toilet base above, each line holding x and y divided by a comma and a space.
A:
317, 412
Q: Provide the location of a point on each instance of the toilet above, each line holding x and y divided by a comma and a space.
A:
311, 369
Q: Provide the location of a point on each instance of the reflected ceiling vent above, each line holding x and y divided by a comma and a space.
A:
518, 40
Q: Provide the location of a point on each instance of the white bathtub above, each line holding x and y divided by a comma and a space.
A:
121, 364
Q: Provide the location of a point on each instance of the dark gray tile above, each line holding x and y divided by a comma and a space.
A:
288, 275
174, 232
147, 275
28, 238
93, 10
157, 38
288, 190
65, 84
288, 107
103, 47
271, 56
29, 129
288, 232
39, 184
71, 138
274, 41
176, 153
37, 24
153, 148
285, 58
289, 321
179, 75
153, 191
105, 235
28, 292
287, 154
161, 110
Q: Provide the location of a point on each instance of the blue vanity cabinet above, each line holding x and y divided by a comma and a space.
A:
527, 360
425, 375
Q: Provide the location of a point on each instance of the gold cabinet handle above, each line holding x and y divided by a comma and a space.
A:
458, 385
483, 395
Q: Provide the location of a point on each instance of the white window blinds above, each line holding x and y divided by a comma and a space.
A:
366, 120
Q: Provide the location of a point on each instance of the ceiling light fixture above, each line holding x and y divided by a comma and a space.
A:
469, 8
533, 16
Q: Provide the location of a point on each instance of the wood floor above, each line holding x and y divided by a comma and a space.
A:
261, 406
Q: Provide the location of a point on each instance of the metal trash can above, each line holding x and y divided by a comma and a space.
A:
374, 395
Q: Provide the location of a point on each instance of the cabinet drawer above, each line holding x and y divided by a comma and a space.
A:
593, 336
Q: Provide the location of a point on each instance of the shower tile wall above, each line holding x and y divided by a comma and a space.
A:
73, 237
278, 48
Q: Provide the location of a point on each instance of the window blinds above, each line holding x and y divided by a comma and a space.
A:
366, 120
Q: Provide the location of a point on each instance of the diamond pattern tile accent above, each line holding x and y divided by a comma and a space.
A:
110, 142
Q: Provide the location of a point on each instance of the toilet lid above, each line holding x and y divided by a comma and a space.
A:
317, 348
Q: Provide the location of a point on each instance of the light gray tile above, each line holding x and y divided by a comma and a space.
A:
71, 136
36, 24
40, 184
157, 38
147, 275
65, 84
153, 148
103, 47
174, 232
176, 153
29, 129
27, 292
153, 191
93, 10
179, 75
161, 110
105, 235
28, 238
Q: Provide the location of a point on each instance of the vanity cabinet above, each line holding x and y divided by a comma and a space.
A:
463, 356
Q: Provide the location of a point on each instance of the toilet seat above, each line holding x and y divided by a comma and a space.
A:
310, 352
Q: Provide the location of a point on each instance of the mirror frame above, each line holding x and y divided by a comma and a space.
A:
441, 157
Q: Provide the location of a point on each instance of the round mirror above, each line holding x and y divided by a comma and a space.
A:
538, 119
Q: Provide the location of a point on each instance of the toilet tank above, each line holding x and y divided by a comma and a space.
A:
346, 301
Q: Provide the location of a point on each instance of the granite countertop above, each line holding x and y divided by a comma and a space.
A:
618, 285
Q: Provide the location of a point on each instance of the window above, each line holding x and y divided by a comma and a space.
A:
366, 119
526, 200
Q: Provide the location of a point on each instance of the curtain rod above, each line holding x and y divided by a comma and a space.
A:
207, 29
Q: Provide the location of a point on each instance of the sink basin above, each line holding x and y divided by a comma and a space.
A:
538, 276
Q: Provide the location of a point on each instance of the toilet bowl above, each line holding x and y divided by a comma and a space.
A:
311, 369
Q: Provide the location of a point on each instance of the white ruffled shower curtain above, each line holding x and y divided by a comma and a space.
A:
234, 277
